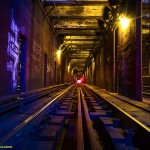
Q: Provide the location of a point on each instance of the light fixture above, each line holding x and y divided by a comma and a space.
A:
68, 68
58, 54
124, 22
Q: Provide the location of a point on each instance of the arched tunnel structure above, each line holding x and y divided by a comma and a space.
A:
49, 38
47, 43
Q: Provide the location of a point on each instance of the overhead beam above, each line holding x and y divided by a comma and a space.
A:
85, 47
75, 3
79, 53
66, 33
81, 49
78, 57
77, 28
76, 17
79, 68
91, 44
76, 60
78, 32
146, 26
80, 42
79, 65
80, 39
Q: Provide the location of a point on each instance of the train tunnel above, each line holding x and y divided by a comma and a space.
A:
98, 46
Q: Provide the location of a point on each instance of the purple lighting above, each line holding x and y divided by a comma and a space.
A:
13, 52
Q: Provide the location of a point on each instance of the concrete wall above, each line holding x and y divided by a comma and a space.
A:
97, 70
108, 62
120, 77
25, 19
64, 70
5, 76
127, 62
127, 58
89, 74
104, 65
100, 69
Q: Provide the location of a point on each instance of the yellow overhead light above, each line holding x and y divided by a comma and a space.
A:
124, 22
59, 55
59, 52
68, 68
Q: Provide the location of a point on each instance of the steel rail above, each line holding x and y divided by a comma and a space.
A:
31, 118
95, 145
80, 139
15, 96
42, 89
13, 101
96, 88
124, 115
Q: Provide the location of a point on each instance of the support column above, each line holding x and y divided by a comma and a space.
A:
149, 68
139, 50
114, 60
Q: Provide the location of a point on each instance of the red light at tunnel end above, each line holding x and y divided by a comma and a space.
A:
79, 81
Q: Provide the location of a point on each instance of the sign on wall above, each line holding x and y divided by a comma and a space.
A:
13, 52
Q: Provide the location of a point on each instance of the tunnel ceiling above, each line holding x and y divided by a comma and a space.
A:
76, 24
79, 25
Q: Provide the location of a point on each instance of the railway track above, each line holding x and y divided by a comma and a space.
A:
126, 124
15, 120
78, 118
16, 100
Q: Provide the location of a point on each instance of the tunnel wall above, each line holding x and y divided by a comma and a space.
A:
125, 59
104, 65
100, 69
23, 28
89, 74
97, 70
64, 70
5, 76
127, 62
108, 63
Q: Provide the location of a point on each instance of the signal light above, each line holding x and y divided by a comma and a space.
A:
79, 81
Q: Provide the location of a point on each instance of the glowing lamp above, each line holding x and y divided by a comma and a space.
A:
59, 52
69, 68
59, 55
124, 22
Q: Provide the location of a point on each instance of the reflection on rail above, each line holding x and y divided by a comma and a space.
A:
78, 117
